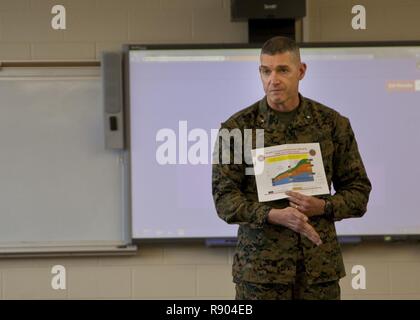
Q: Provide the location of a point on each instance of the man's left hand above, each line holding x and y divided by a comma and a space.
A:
309, 205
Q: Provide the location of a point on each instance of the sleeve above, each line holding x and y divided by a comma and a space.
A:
349, 179
228, 179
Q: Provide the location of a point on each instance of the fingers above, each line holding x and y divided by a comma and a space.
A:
304, 228
300, 208
301, 216
296, 195
311, 234
297, 198
298, 222
294, 205
305, 204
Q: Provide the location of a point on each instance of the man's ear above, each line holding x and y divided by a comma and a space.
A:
302, 70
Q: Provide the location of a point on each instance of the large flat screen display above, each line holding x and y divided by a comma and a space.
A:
179, 96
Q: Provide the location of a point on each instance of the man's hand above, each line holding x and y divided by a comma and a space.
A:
310, 206
296, 221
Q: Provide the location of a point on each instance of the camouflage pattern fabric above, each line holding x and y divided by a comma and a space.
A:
300, 289
268, 253
277, 291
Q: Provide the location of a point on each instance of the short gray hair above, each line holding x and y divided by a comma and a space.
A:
280, 44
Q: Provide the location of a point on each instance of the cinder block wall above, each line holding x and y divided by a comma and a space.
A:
185, 271
97, 25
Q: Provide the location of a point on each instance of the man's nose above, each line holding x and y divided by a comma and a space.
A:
275, 78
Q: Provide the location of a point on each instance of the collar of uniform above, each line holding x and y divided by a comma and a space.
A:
303, 116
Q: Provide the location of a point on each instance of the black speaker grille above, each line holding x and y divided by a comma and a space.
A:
111, 66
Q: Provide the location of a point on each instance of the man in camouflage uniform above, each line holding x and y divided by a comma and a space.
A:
288, 249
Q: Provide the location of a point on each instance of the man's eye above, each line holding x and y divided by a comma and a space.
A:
266, 72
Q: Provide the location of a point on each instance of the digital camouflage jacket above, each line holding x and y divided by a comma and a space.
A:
268, 253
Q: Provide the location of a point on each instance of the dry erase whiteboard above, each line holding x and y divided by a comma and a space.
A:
59, 187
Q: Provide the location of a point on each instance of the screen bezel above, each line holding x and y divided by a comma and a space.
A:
230, 241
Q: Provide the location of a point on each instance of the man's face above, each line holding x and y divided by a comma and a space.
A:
280, 75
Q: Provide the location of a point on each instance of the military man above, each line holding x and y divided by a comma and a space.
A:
288, 249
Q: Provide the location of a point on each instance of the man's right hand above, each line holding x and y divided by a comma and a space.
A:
295, 220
